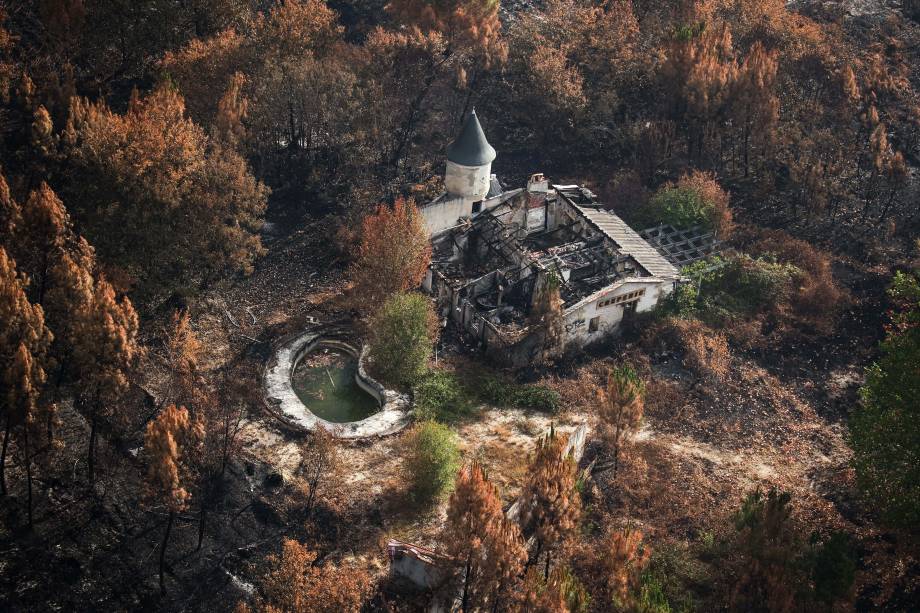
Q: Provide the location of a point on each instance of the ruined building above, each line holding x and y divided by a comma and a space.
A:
495, 250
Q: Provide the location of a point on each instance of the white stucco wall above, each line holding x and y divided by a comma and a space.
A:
444, 212
577, 320
468, 181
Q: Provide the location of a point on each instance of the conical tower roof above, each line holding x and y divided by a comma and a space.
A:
471, 148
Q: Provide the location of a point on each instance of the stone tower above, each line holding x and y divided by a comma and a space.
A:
469, 163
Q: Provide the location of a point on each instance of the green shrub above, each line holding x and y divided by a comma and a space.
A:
402, 334
432, 461
499, 391
749, 285
537, 397
651, 597
679, 206
440, 396
672, 575
722, 289
695, 200
833, 568
885, 430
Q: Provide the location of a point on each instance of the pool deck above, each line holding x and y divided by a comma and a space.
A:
393, 416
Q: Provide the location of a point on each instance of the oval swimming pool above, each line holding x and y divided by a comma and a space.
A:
324, 380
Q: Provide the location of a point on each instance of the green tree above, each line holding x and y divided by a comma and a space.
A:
885, 430
432, 461
695, 200
769, 549
402, 334
833, 568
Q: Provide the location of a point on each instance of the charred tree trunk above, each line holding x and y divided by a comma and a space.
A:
466, 583
6, 441
28, 460
91, 453
169, 523
201, 522
58, 381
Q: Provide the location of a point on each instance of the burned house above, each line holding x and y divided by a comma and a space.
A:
494, 249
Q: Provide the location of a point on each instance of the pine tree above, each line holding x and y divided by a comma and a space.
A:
755, 103
560, 592
622, 559
392, 257
488, 548
23, 380
186, 204
67, 305
182, 351
41, 236
885, 429
550, 502
547, 315
23, 338
223, 404
167, 442
470, 26
42, 137
231, 111
321, 463
295, 582
620, 406
769, 546
698, 74
106, 349
10, 214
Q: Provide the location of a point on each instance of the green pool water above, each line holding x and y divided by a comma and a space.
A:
324, 380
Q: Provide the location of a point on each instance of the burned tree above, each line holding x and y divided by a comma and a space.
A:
321, 464
488, 547
620, 405
548, 317
392, 256
551, 505
23, 337
167, 442
105, 353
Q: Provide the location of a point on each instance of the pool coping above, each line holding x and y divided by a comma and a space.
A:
395, 408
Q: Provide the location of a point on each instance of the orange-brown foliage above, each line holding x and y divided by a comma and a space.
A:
487, 549
818, 298
154, 180
168, 441
469, 25
705, 351
550, 504
295, 583
392, 257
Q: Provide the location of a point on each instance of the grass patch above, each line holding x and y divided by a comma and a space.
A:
446, 397
440, 396
501, 392
741, 286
